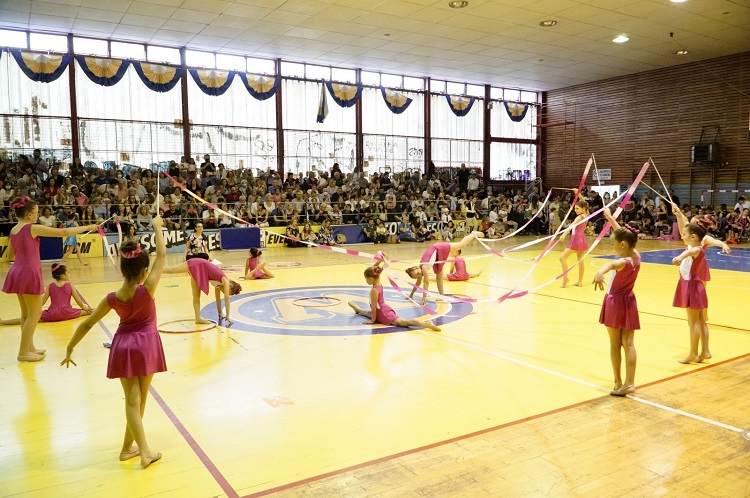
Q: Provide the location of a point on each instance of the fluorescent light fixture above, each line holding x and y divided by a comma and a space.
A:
458, 5
548, 24
620, 39
681, 52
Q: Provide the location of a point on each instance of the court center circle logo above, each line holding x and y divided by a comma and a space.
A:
324, 311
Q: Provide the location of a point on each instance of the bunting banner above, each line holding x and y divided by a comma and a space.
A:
104, 72
157, 77
343, 94
460, 105
260, 87
516, 112
322, 105
395, 101
212, 82
44, 68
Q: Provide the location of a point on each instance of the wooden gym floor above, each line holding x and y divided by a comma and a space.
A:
300, 399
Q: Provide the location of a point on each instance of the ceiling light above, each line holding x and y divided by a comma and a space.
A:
681, 52
620, 39
457, 5
548, 23
677, 1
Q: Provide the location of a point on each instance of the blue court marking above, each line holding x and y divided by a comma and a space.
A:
274, 312
739, 260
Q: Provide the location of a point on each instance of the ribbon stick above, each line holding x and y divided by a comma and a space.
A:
106, 247
666, 190
100, 224
596, 170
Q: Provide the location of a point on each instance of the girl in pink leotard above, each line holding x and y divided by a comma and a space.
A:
254, 269
25, 276
458, 272
578, 243
379, 311
59, 292
436, 256
136, 353
620, 308
204, 274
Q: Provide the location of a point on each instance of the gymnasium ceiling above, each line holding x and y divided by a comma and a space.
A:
489, 41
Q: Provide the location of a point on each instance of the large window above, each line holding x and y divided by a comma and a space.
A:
456, 140
512, 161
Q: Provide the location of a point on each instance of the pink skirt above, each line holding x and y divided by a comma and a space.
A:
690, 294
620, 311
60, 314
458, 277
578, 243
386, 315
136, 354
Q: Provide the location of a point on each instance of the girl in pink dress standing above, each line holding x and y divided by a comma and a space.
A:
379, 311
458, 272
25, 276
254, 269
136, 353
691, 287
578, 243
59, 292
436, 256
204, 274
620, 309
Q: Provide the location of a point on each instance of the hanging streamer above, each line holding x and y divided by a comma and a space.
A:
260, 87
395, 101
460, 105
343, 94
40, 67
213, 82
104, 72
158, 77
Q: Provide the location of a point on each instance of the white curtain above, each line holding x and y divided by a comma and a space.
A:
509, 161
377, 119
234, 128
445, 124
501, 125
128, 123
35, 115
300, 111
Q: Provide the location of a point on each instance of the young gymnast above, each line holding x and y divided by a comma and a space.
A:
254, 269
59, 292
202, 274
136, 353
620, 309
458, 271
379, 311
25, 276
437, 254
578, 243
691, 288
70, 244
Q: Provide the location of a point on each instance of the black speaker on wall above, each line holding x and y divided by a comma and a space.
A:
704, 153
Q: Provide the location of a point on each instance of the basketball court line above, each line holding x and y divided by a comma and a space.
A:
587, 383
189, 439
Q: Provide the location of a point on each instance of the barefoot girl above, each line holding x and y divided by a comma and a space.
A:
379, 311
254, 269
458, 271
60, 291
437, 254
25, 276
691, 288
136, 352
620, 309
578, 243
202, 274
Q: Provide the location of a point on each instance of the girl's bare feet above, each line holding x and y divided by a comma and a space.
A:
148, 460
202, 321
690, 359
623, 391
44, 351
578, 284
431, 326
705, 356
30, 357
564, 282
131, 453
